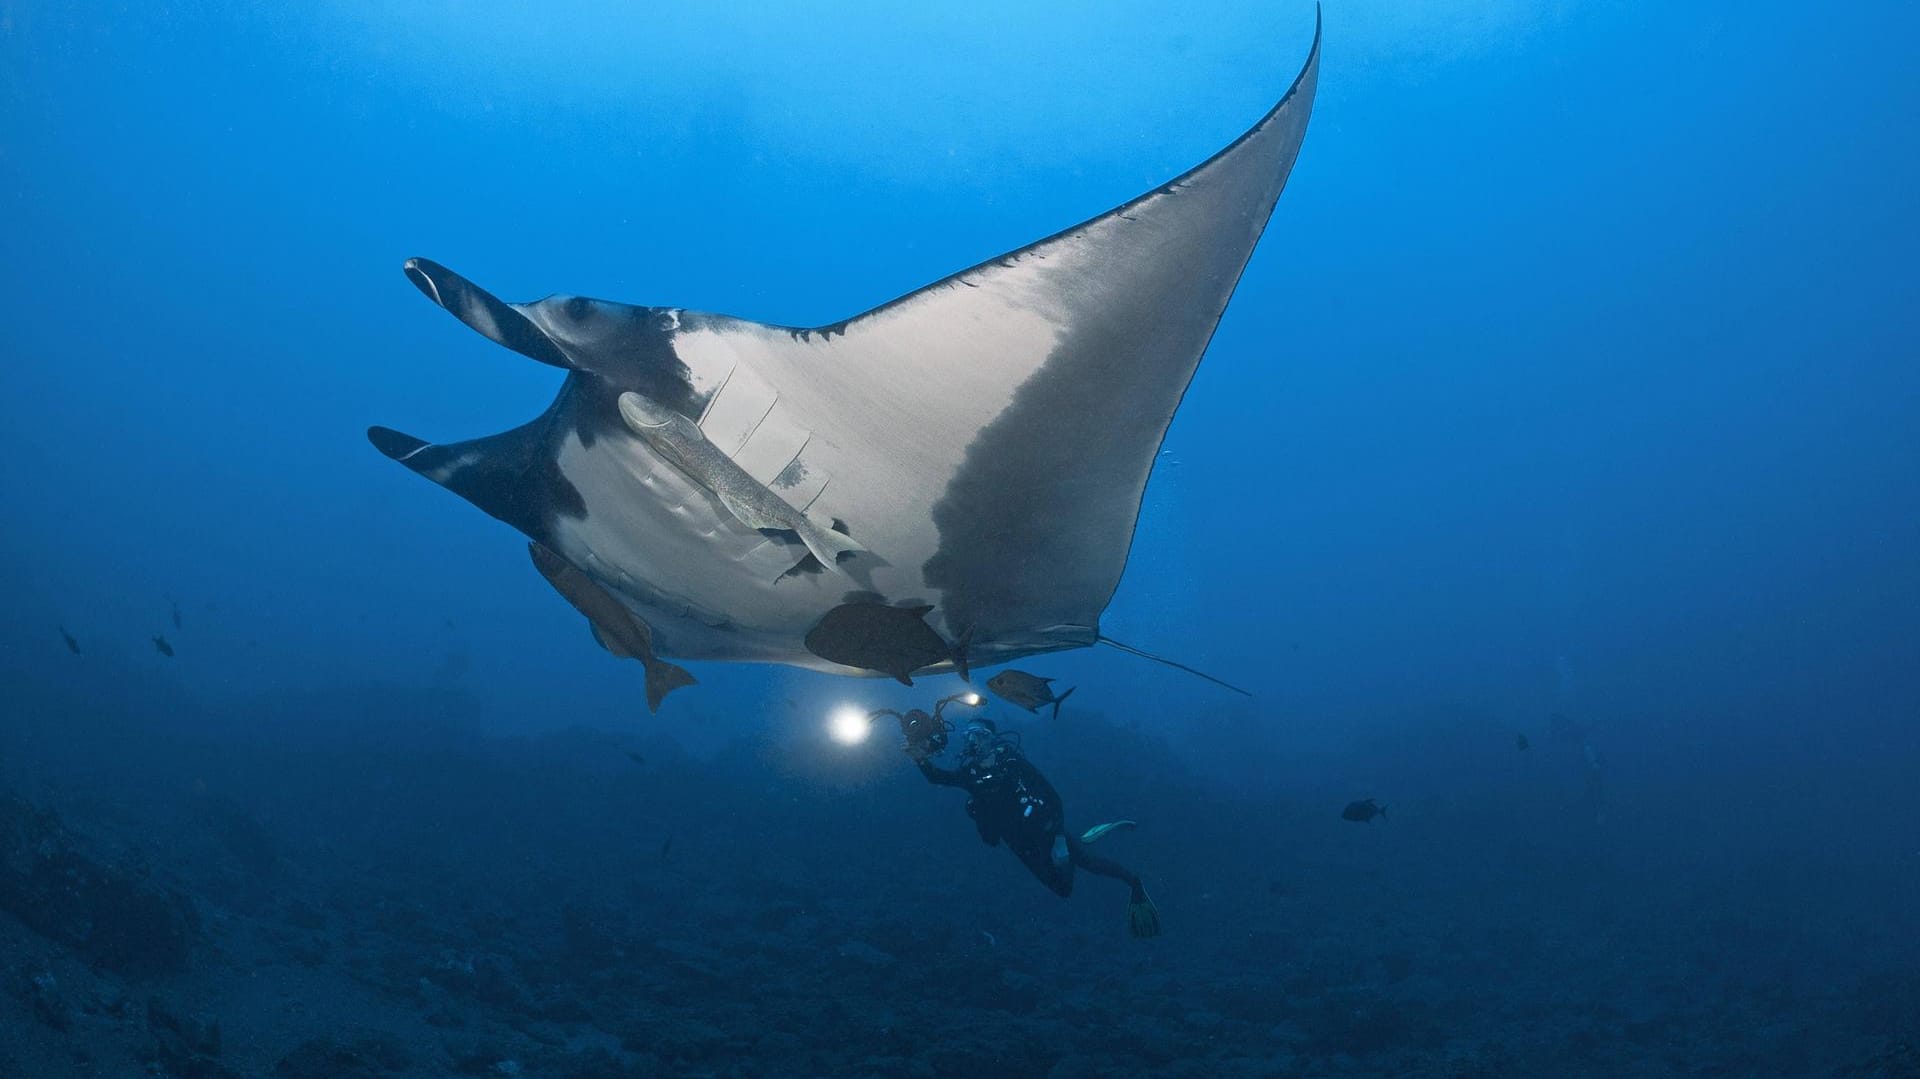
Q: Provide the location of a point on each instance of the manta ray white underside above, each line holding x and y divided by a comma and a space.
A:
974, 453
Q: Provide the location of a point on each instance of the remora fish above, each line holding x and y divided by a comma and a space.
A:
752, 503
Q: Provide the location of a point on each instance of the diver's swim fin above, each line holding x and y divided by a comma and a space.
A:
1099, 830
1143, 918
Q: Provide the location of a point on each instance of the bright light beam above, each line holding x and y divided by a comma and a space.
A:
848, 725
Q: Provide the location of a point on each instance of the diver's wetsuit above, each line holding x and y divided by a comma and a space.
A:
1581, 734
1010, 800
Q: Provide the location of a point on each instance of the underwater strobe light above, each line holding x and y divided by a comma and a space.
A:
848, 725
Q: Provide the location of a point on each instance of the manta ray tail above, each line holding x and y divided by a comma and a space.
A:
1143, 654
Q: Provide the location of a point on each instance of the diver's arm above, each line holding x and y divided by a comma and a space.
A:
938, 776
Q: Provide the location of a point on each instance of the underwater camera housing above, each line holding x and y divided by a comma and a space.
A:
925, 734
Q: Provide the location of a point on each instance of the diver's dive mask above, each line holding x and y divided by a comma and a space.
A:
979, 740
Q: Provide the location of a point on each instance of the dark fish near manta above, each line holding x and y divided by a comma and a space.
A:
1363, 811
1023, 690
895, 641
616, 627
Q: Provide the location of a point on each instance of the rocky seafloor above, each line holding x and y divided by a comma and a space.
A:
315, 890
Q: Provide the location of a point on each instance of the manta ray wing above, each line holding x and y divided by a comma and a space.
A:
995, 430
985, 440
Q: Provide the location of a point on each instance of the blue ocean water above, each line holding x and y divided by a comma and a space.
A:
1575, 375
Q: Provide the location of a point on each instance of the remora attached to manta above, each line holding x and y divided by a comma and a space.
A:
978, 447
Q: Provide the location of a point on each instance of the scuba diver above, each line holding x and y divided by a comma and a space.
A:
1011, 802
1566, 731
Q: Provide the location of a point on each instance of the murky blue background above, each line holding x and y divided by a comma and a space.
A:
1578, 371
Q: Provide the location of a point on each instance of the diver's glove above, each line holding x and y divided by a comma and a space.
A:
1143, 918
917, 751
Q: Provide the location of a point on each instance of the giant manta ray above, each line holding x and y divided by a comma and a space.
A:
950, 477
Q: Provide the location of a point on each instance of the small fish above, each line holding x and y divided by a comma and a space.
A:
637, 759
176, 612
1023, 690
72, 645
1363, 811
1521, 741
666, 848
616, 627
161, 646
792, 705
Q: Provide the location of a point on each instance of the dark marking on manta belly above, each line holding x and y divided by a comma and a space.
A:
791, 475
1055, 444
